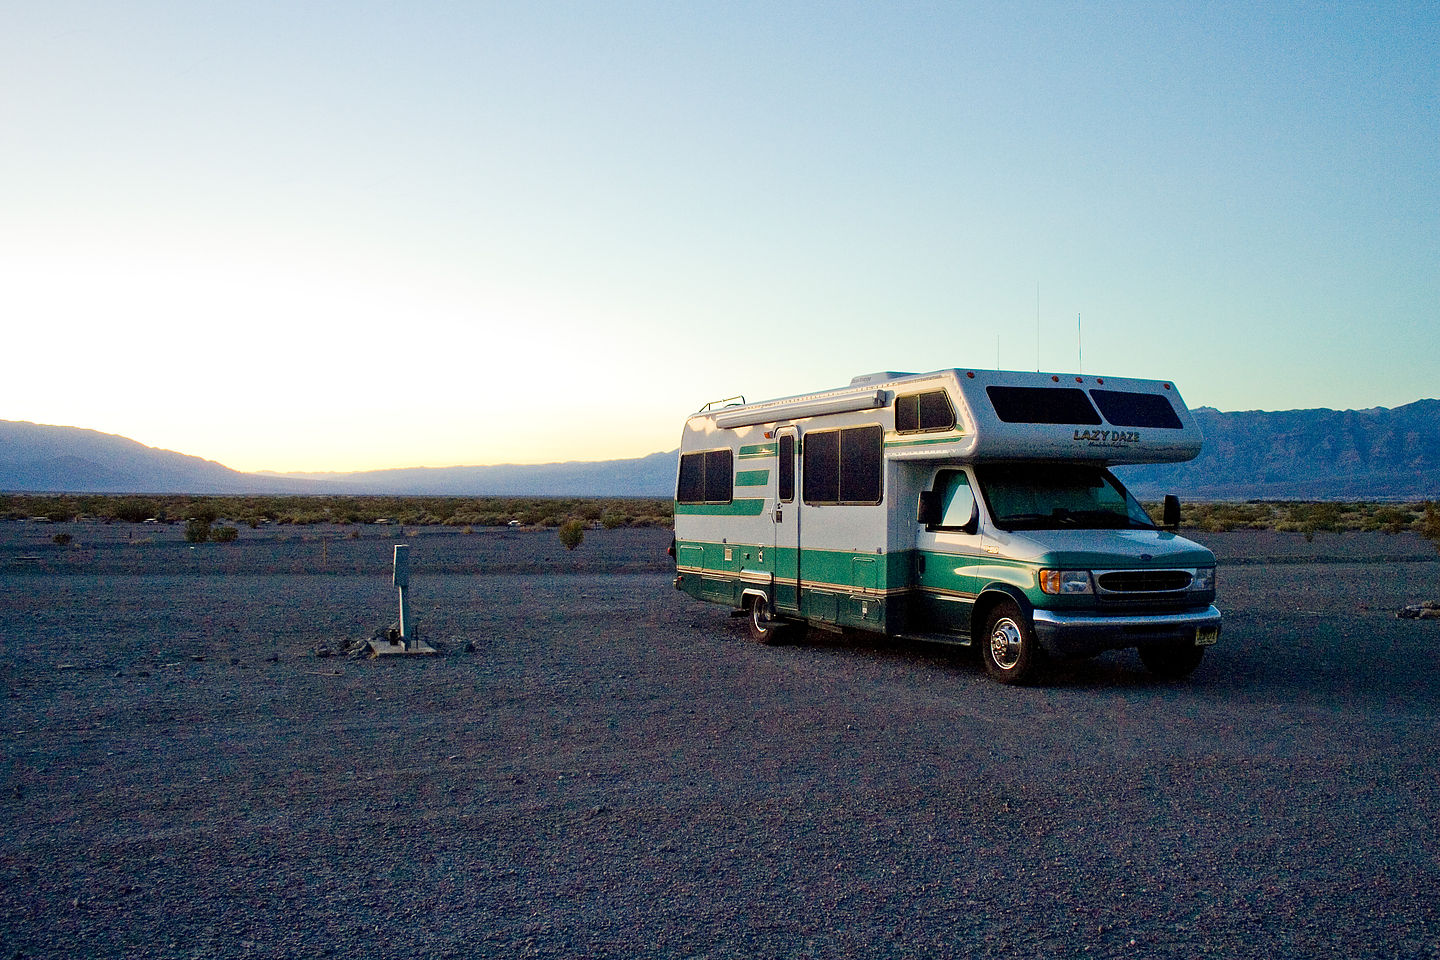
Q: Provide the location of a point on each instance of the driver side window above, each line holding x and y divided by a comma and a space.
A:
955, 501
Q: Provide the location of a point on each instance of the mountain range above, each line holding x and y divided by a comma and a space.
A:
1376, 454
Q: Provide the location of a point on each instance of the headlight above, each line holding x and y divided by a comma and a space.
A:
1065, 582
1204, 579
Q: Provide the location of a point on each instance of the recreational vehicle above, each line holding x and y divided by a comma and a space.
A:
972, 507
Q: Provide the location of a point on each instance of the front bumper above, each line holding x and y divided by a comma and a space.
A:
1068, 635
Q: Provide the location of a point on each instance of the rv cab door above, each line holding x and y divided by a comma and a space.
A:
948, 554
785, 518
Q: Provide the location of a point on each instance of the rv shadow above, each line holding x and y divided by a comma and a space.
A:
1113, 669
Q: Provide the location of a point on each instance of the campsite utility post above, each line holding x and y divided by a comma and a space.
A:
401, 640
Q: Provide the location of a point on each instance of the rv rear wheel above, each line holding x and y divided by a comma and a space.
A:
1008, 648
1171, 661
763, 627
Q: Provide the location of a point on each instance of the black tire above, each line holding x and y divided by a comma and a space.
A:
1008, 647
1171, 661
763, 627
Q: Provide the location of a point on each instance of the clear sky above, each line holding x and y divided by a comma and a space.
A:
347, 235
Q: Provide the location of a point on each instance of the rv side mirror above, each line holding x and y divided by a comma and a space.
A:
1170, 519
929, 513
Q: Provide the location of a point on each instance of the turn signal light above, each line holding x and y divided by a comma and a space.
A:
1065, 582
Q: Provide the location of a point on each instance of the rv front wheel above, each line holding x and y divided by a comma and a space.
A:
763, 627
1009, 648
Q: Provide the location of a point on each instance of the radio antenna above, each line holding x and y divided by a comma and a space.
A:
1037, 326
1079, 345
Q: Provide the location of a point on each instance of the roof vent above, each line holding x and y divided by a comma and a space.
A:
868, 378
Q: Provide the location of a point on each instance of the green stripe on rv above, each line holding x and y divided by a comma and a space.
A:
735, 508
752, 478
833, 569
926, 441
847, 570
756, 450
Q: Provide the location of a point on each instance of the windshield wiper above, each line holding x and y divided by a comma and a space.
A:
1102, 520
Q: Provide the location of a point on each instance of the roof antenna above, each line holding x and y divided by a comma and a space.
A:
1037, 326
1079, 345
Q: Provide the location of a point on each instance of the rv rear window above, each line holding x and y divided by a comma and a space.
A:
1126, 409
1042, 405
844, 466
707, 477
921, 412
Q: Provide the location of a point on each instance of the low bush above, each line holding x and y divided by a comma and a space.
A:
572, 533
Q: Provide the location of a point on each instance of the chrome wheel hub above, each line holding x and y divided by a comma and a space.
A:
1005, 642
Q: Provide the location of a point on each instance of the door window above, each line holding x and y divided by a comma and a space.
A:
787, 467
956, 500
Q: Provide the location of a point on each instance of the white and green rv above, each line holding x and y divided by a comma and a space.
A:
967, 506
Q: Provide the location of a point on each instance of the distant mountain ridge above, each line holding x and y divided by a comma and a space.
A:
649, 476
40, 458
1376, 454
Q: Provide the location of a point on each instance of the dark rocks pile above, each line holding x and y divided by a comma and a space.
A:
1428, 610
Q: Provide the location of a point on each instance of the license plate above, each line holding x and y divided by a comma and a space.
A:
1206, 636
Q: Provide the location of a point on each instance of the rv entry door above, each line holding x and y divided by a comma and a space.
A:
786, 521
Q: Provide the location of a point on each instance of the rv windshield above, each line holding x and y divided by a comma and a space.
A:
1047, 496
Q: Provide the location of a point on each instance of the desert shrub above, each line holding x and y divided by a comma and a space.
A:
572, 533
197, 530
612, 519
131, 510
1390, 519
224, 534
61, 539
1430, 523
202, 512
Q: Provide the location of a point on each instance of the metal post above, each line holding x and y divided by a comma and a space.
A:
402, 583
408, 641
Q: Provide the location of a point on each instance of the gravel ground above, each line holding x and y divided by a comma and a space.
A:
615, 770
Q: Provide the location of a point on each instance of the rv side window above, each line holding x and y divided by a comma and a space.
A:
844, 466
1126, 409
707, 477
787, 467
922, 412
1043, 405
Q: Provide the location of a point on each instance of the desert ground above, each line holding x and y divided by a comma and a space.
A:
598, 766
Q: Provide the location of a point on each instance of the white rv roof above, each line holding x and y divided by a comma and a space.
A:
1007, 415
